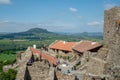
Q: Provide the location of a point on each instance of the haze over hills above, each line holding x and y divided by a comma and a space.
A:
83, 33
89, 34
98, 35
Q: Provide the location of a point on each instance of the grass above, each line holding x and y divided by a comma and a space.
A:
7, 57
7, 44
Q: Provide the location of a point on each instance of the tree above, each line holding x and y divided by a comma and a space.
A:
10, 75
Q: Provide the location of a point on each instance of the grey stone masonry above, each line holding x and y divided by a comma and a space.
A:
112, 34
112, 40
110, 28
22, 64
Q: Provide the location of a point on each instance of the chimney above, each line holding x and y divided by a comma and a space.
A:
34, 46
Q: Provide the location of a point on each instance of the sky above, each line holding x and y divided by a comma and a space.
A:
73, 16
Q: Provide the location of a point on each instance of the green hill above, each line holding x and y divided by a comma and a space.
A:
34, 33
43, 34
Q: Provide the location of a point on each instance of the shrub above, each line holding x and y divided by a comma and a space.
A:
10, 75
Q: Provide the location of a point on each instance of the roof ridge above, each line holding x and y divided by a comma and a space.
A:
54, 42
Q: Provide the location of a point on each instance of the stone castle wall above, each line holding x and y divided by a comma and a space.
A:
110, 18
22, 64
112, 35
106, 64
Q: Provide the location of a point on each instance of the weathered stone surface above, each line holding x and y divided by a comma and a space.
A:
110, 18
102, 54
38, 71
61, 76
22, 64
112, 40
51, 74
96, 66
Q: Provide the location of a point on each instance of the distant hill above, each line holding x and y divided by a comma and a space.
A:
98, 35
84, 35
4, 33
37, 31
88, 34
43, 34
31, 33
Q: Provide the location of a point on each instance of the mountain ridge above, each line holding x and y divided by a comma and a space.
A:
39, 33
31, 33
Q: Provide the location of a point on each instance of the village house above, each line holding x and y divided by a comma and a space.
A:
61, 47
86, 45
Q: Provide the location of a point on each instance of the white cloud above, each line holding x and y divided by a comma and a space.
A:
109, 6
94, 23
5, 1
73, 9
75, 12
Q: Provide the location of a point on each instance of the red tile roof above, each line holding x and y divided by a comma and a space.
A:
44, 55
62, 45
49, 58
35, 51
86, 46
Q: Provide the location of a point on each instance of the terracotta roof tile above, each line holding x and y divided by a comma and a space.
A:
62, 45
44, 55
86, 46
35, 51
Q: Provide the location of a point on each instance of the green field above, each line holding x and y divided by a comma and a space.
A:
7, 57
7, 44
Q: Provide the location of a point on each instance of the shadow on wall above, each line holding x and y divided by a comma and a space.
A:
27, 75
55, 76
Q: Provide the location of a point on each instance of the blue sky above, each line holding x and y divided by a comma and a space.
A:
74, 16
